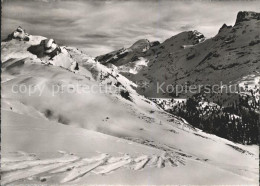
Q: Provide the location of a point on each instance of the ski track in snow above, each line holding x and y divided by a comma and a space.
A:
81, 171
28, 164
72, 167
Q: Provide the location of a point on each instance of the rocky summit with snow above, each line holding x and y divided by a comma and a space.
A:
68, 118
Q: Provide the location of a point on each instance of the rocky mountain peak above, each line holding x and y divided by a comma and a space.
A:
198, 37
184, 39
141, 45
18, 34
246, 16
224, 27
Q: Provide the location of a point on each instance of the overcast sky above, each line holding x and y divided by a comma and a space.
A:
98, 27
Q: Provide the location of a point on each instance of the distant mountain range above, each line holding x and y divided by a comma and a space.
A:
190, 58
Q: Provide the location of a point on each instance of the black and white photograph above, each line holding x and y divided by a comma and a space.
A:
128, 92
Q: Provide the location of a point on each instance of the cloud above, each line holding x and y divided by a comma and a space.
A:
100, 26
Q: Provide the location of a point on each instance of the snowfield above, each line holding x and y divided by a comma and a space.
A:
62, 131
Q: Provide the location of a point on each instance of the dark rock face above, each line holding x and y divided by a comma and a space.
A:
246, 16
155, 43
196, 36
224, 26
19, 34
184, 38
39, 50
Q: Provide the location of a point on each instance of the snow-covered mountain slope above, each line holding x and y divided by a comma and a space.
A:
188, 58
93, 115
48, 152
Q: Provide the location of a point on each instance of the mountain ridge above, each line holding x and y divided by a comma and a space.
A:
185, 59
